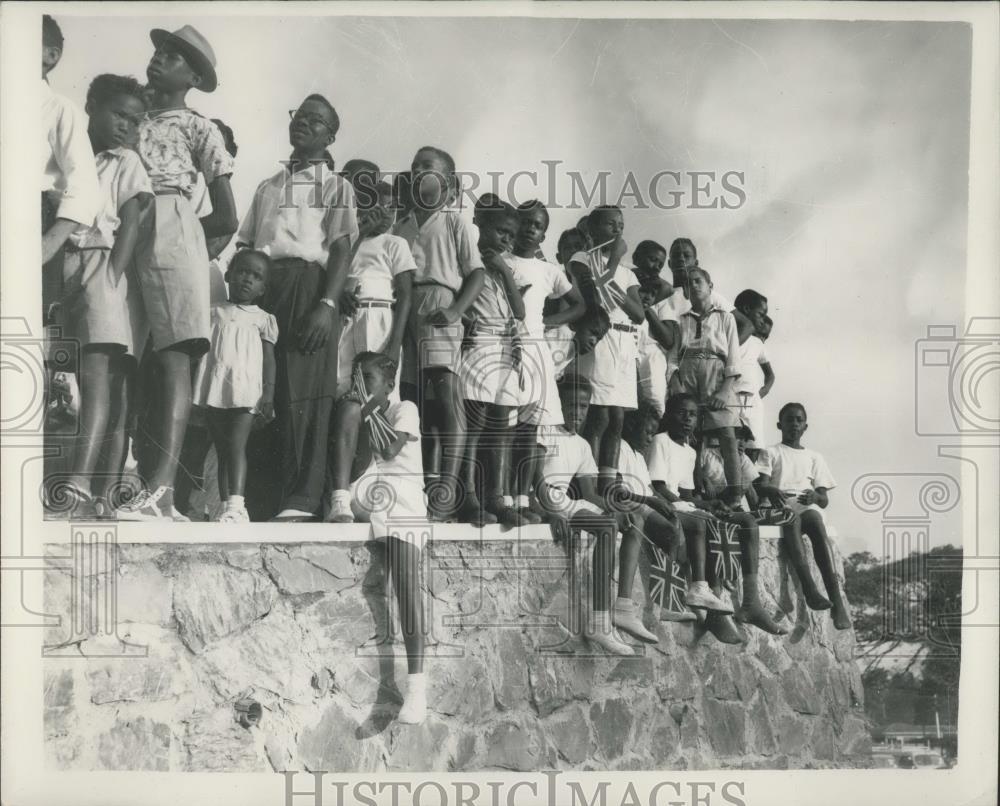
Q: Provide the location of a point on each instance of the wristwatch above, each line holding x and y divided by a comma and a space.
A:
329, 303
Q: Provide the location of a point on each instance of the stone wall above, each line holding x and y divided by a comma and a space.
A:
301, 629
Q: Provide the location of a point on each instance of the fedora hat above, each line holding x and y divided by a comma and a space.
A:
196, 50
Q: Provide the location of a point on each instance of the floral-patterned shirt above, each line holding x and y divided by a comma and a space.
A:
178, 144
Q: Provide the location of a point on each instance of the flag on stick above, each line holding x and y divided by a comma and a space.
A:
381, 433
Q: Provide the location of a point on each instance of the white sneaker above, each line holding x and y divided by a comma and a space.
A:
339, 509
700, 595
414, 708
146, 507
216, 510
625, 617
235, 515
599, 631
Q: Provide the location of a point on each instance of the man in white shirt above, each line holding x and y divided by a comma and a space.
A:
798, 478
71, 193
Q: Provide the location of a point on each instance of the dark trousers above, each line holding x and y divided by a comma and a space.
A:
287, 461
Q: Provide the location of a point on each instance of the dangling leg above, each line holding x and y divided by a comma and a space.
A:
624, 615
525, 459
791, 538
813, 526
752, 611
599, 629
345, 430
404, 566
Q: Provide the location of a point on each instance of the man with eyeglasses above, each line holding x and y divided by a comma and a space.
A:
305, 217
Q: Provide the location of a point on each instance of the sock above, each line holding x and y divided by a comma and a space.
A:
602, 621
342, 496
416, 685
235, 502
623, 603
523, 502
508, 500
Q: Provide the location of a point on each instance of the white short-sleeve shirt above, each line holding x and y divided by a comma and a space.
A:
445, 247
752, 357
68, 174
566, 456
672, 463
795, 470
376, 264
635, 473
547, 281
122, 178
306, 227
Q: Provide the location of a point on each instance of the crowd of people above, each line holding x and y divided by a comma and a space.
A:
376, 345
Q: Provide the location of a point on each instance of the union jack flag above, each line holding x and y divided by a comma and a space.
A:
381, 433
724, 548
773, 516
667, 583
610, 295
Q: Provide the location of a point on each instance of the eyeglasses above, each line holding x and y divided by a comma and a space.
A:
310, 120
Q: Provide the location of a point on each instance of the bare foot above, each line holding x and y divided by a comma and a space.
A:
723, 628
756, 615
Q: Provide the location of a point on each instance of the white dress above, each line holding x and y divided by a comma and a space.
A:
231, 374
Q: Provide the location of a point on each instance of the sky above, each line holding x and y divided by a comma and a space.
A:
851, 139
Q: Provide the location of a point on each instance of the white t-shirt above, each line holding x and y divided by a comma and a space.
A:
635, 473
671, 463
795, 470
624, 277
122, 178
377, 263
751, 358
547, 281
566, 456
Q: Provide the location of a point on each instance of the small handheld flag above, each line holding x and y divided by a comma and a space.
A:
381, 433
610, 295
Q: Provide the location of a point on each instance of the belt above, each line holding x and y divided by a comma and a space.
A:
702, 354
374, 303
477, 328
625, 328
72, 248
423, 283
168, 192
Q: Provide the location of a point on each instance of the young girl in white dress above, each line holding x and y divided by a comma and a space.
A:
235, 381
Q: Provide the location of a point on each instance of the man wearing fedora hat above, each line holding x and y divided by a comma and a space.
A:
176, 145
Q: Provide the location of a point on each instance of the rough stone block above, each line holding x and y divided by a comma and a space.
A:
136, 680
793, 732
215, 742
800, 692
569, 733
135, 744
510, 676
212, 601
144, 594
58, 702
331, 745
726, 726
612, 721
514, 745
420, 748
